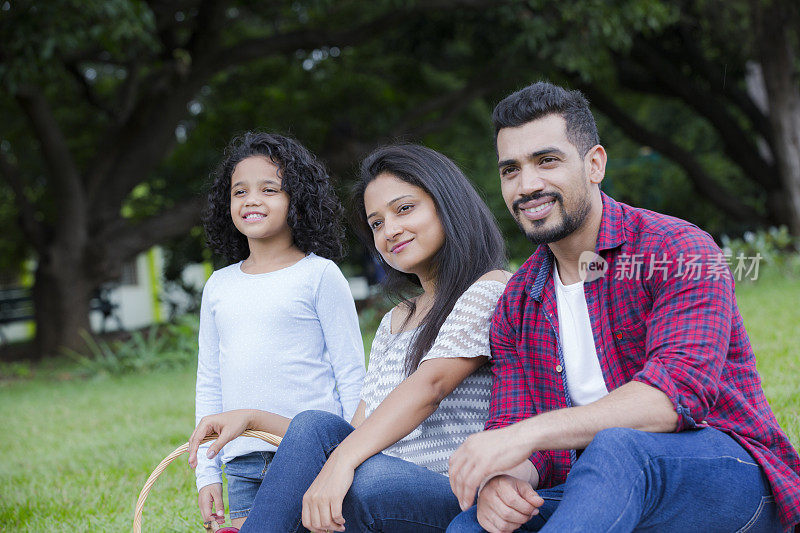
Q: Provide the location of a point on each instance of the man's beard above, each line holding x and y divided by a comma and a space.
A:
569, 223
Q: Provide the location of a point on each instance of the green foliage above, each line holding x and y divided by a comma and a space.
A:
122, 28
16, 370
775, 246
158, 348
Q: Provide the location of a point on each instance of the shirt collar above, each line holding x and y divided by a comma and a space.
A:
612, 232
610, 235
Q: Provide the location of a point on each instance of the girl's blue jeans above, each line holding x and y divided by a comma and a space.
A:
628, 480
388, 494
244, 474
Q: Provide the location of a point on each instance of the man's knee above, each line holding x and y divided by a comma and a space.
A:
618, 439
466, 522
626, 445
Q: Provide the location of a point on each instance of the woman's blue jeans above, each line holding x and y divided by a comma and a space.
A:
388, 494
628, 480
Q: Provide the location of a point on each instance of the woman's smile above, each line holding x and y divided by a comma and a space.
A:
397, 248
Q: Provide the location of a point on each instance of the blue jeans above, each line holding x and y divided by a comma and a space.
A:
244, 474
628, 480
388, 494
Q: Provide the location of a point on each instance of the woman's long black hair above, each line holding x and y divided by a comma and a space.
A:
472, 246
315, 214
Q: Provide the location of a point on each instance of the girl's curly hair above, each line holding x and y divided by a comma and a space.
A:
315, 214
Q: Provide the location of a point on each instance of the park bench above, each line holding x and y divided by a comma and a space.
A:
16, 305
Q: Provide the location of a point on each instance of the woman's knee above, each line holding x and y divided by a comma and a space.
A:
312, 422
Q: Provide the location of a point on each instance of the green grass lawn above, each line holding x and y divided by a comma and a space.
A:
75, 453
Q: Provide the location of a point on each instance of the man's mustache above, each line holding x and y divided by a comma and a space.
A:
535, 196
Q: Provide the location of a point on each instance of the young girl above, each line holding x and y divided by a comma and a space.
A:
427, 387
278, 328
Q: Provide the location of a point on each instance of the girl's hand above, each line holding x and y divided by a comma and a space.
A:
322, 503
227, 425
209, 498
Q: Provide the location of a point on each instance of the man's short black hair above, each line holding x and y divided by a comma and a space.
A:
543, 98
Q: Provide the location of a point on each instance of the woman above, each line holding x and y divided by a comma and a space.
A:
427, 387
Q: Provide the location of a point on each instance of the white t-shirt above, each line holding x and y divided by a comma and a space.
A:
584, 377
283, 341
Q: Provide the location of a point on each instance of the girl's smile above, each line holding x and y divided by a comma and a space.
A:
258, 204
253, 216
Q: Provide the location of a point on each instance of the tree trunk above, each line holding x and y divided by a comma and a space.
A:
61, 295
783, 94
785, 120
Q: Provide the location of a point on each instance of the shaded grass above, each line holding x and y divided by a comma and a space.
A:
76, 453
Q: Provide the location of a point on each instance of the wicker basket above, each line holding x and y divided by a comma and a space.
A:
137, 515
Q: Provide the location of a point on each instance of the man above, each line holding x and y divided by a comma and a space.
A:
619, 358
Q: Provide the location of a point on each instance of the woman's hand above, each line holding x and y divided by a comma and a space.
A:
322, 502
227, 425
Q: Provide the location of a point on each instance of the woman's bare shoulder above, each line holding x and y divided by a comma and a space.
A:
496, 275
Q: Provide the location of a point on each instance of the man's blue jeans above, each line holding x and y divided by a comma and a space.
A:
626, 480
388, 494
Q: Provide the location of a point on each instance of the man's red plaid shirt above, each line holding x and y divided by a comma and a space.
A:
664, 314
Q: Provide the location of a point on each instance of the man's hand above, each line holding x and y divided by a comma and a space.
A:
209, 498
482, 455
505, 503
227, 425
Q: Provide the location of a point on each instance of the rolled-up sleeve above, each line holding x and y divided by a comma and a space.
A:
688, 328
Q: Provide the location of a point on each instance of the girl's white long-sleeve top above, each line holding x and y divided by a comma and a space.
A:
283, 341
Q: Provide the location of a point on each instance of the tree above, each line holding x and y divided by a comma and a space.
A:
734, 66
102, 87
114, 111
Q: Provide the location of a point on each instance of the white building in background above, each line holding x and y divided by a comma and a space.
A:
141, 298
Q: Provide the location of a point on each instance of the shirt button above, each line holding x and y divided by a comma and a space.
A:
559, 368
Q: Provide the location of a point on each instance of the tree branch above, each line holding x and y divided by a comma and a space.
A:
123, 239
209, 20
32, 229
738, 147
126, 98
701, 181
453, 103
163, 104
316, 37
702, 68
87, 89
64, 174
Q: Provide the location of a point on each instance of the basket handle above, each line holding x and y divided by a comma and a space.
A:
183, 448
